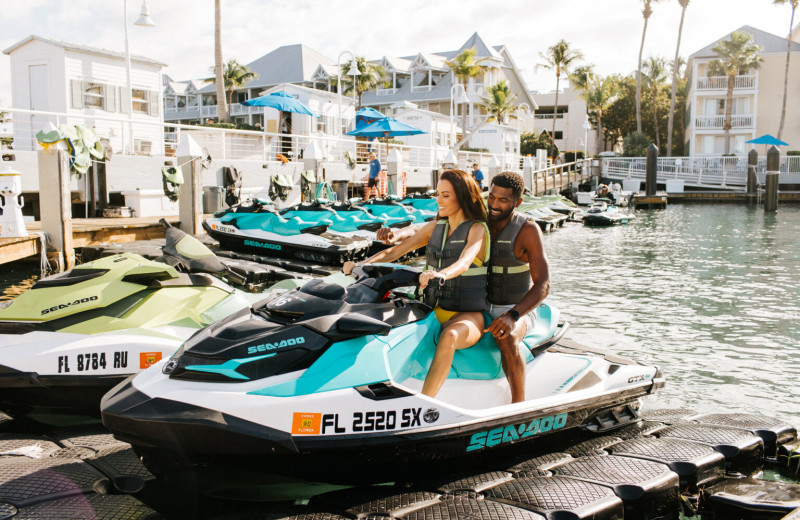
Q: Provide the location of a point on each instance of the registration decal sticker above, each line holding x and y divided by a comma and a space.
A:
148, 359
306, 423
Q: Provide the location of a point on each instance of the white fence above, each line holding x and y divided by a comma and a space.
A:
721, 82
705, 172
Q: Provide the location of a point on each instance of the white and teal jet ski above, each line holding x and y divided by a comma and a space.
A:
256, 227
73, 336
322, 385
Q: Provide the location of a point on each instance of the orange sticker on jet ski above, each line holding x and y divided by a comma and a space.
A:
148, 359
306, 423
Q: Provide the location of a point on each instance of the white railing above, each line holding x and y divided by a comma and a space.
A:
225, 144
721, 82
701, 171
385, 91
422, 88
737, 121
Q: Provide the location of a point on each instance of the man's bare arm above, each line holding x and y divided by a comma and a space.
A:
532, 243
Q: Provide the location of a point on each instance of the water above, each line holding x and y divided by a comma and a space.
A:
709, 293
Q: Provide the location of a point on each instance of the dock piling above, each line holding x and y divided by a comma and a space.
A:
771, 184
752, 163
651, 170
190, 200
55, 199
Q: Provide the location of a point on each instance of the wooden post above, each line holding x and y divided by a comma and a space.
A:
651, 170
771, 184
55, 202
752, 163
190, 200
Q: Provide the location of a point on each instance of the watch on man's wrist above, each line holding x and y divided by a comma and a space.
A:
513, 313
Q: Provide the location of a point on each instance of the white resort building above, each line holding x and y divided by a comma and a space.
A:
89, 83
757, 98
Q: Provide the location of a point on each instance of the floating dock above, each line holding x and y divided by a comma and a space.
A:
670, 461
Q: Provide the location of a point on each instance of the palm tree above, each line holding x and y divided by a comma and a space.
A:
559, 58
674, 88
646, 12
222, 107
372, 76
599, 93
739, 53
464, 67
235, 75
793, 3
655, 74
499, 101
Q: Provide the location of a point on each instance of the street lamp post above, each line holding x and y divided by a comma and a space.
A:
586, 127
144, 20
457, 95
352, 72
527, 111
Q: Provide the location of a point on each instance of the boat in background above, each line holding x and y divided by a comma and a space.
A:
601, 213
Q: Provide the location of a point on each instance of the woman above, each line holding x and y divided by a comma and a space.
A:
457, 250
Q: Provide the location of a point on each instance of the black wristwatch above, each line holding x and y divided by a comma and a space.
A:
513, 313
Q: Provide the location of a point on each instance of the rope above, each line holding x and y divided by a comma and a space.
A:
44, 264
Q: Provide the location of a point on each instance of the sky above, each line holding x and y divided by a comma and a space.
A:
608, 32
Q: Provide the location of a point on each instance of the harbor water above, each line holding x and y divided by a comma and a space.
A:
708, 292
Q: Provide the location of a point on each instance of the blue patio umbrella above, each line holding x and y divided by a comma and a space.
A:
386, 128
366, 116
280, 101
767, 139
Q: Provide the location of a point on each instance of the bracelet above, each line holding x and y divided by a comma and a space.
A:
513, 313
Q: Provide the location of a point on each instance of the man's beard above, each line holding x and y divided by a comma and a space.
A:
498, 218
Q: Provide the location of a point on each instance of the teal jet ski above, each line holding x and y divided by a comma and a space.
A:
256, 227
322, 385
391, 207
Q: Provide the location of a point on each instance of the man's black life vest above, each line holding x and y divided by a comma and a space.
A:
509, 279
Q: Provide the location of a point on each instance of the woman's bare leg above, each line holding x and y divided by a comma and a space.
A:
462, 331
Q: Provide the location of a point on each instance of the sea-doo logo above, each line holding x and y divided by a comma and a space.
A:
265, 347
431, 415
263, 245
69, 304
171, 365
513, 432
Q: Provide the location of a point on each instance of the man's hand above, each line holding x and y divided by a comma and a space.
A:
501, 326
427, 276
386, 235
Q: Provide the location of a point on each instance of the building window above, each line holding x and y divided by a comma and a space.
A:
94, 95
141, 101
559, 134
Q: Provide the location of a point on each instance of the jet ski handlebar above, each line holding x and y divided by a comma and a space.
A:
384, 278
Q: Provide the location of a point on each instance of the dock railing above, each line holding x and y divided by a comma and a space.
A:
721, 172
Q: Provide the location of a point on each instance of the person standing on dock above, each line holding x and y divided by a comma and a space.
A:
519, 273
477, 174
374, 171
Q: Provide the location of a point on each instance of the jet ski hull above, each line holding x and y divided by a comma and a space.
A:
177, 439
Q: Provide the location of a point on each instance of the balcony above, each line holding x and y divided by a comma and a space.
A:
717, 122
386, 91
721, 82
422, 88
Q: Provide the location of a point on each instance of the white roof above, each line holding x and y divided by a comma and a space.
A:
81, 48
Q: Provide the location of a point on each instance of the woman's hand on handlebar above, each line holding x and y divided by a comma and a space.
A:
347, 267
426, 277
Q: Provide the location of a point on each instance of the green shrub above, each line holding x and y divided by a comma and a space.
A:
635, 144
793, 152
572, 155
476, 150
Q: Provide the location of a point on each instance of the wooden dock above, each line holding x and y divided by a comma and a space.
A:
86, 232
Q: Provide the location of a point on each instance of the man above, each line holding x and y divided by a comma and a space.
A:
519, 274
477, 174
374, 170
